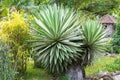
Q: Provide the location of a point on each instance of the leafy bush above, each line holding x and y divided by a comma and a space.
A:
14, 31
116, 39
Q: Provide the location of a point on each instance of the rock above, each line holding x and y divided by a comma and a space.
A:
101, 79
117, 77
113, 55
101, 73
75, 73
117, 73
105, 76
107, 54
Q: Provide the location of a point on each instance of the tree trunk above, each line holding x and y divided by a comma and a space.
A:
75, 73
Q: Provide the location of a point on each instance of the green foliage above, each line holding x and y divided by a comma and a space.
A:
64, 77
109, 46
116, 39
94, 36
101, 7
9, 6
96, 7
6, 68
19, 4
77, 4
53, 31
35, 73
14, 31
38, 2
114, 66
99, 65
4, 12
94, 40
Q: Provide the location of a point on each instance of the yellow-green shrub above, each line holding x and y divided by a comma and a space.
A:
15, 31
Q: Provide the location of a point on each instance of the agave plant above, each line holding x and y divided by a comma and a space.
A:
54, 34
94, 40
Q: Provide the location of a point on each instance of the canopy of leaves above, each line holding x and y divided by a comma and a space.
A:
102, 7
16, 3
98, 7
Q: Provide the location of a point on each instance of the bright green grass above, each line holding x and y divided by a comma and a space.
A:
35, 73
99, 65
40, 74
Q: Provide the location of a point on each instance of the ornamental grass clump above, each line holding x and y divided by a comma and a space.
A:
94, 40
60, 44
54, 31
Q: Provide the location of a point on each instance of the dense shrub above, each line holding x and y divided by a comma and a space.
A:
14, 32
114, 42
7, 71
115, 47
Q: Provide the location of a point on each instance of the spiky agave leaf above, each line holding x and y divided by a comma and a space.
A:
53, 31
94, 38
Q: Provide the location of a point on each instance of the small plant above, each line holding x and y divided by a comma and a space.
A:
114, 66
94, 40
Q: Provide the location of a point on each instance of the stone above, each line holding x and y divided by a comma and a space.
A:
117, 73
101, 73
75, 73
117, 77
